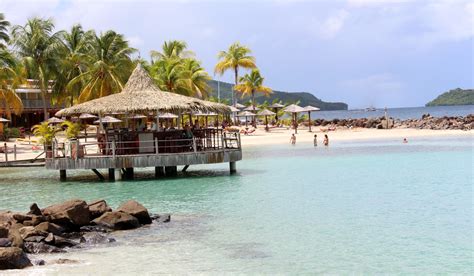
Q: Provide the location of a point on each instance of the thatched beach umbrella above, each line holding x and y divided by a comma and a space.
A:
310, 108
251, 108
168, 116
108, 120
85, 116
239, 106
140, 94
54, 120
294, 109
275, 108
246, 114
266, 113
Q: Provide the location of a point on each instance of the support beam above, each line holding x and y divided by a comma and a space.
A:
101, 177
62, 175
185, 168
111, 174
129, 173
159, 171
171, 170
232, 167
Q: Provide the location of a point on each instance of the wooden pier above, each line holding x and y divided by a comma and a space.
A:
164, 152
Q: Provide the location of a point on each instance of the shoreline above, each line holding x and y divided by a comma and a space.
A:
282, 136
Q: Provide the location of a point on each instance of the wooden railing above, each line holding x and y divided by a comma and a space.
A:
201, 141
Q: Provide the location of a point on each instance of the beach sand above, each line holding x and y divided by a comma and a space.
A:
282, 136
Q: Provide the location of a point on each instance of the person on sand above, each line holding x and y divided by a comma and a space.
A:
293, 139
326, 140
315, 140
405, 140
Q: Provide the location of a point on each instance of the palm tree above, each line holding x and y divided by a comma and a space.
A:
72, 63
4, 37
237, 56
110, 66
37, 45
176, 70
252, 83
10, 78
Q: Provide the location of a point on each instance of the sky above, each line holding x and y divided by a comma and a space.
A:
382, 53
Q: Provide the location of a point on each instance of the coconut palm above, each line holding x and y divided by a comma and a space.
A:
110, 66
171, 49
10, 78
37, 45
251, 84
4, 37
73, 62
196, 78
237, 56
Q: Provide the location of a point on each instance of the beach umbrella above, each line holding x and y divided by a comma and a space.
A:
206, 115
310, 108
246, 114
275, 107
54, 120
266, 113
108, 119
233, 109
239, 106
169, 116
294, 109
251, 108
85, 116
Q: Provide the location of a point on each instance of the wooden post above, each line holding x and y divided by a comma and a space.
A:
194, 144
309, 120
232, 167
52, 149
14, 152
62, 175
77, 149
113, 148
111, 174
159, 171
6, 152
156, 146
171, 170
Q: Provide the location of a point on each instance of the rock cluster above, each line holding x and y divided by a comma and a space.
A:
426, 122
73, 223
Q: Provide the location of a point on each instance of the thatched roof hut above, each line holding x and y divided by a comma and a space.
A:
140, 94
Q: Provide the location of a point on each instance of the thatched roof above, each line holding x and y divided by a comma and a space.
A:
140, 94
233, 109
276, 105
251, 108
266, 112
311, 108
246, 114
239, 106
293, 108
108, 119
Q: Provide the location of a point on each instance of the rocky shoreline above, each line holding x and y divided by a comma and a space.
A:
71, 224
425, 122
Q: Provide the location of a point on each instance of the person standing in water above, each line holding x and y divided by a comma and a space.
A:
326, 140
293, 139
315, 140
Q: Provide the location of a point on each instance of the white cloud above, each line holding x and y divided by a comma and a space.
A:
331, 26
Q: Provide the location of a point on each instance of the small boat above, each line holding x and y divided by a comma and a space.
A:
371, 109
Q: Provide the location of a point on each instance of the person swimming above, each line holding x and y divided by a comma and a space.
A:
326, 140
293, 139
405, 140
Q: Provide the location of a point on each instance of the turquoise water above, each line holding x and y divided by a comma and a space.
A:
365, 207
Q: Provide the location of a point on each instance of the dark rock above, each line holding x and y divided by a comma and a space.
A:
137, 210
63, 242
3, 232
65, 261
50, 227
21, 218
39, 247
98, 208
13, 258
49, 239
38, 262
4, 242
94, 228
35, 210
161, 217
29, 231
117, 221
34, 239
70, 213
95, 238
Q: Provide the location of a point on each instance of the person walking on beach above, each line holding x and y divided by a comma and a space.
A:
315, 140
326, 140
293, 139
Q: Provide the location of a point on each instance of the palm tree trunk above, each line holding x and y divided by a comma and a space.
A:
254, 106
236, 72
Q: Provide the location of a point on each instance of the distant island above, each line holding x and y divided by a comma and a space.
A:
304, 98
456, 96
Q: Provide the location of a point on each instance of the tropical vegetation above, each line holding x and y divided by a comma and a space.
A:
251, 84
236, 57
456, 96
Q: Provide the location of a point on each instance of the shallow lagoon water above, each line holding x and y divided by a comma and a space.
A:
363, 207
